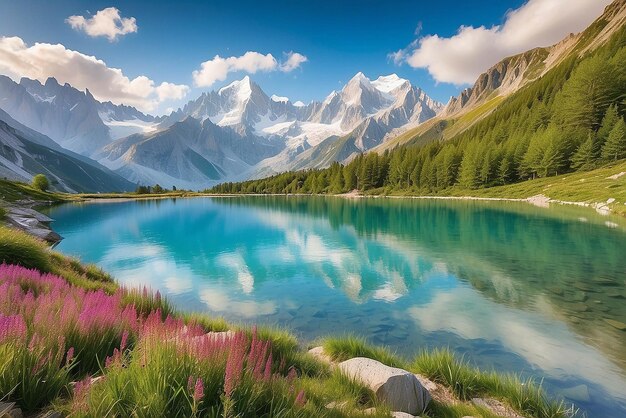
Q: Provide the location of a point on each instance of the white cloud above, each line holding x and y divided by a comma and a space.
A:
293, 61
43, 60
218, 68
106, 22
166, 91
461, 58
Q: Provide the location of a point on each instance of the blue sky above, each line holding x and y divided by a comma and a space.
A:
339, 38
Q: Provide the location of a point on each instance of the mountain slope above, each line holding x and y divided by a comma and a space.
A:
510, 75
188, 154
72, 118
24, 153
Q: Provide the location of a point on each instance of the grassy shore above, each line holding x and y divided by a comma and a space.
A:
597, 186
72, 340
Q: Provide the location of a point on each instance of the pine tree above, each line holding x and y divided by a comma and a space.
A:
608, 122
587, 95
468, 174
584, 158
615, 146
505, 170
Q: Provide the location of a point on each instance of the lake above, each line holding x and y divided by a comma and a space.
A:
510, 286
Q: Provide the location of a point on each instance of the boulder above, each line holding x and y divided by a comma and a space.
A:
398, 414
398, 388
320, 354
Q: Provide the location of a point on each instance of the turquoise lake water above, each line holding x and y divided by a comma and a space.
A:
511, 286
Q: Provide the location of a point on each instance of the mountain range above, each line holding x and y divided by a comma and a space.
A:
235, 133
240, 132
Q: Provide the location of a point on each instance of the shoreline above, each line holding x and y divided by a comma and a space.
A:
539, 200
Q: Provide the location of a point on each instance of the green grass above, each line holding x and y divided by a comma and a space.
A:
146, 301
11, 191
465, 381
590, 187
19, 248
24, 378
439, 410
344, 348
582, 187
468, 382
472, 116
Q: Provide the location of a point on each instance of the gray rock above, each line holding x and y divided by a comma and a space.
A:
399, 414
400, 389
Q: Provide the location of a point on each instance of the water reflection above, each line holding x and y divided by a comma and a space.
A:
513, 286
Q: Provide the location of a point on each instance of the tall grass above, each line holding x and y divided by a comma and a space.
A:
17, 247
344, 348
177, 371
145, 302
467, 382
31, 374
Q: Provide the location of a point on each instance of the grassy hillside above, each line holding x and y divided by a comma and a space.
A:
11, 191
597, 186
112, 351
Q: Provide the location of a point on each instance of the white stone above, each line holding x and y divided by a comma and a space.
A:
399, 414
400, 389
320, 354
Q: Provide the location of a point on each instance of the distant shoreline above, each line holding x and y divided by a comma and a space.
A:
537, 200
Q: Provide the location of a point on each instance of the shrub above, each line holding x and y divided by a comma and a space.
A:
16, 247
40, 182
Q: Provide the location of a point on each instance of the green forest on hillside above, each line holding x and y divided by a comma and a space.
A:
571, 119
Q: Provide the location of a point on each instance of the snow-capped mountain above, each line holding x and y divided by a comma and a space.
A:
240, 132
234, 133
72, 118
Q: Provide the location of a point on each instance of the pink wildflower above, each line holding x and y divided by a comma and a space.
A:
301, 398
70, 355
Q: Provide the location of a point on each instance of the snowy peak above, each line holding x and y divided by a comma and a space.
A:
241, 89
389, 83
245, 132
279, 99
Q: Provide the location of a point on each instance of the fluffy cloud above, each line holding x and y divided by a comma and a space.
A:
43, 60
171, 91
107, 22
293, 60
461, 58
217, 69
